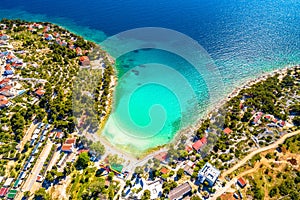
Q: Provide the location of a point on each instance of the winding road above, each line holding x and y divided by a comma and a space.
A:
248, 157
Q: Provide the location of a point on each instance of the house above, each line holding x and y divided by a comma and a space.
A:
162, 157
281, 123
84, 60
17, 183
241, 182
40, 92
198, 144
12, 194
4, 82
3, 36
155, 189
22, 175
227, 131
4, 103
190, 164
188, 148
188, 170
78, 51
68, 148
71, 141
208, 173
8, 72
180, 191
59, 135
82, 151
48, 37
164, 170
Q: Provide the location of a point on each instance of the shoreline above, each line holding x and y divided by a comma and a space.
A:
187, 131
247, 84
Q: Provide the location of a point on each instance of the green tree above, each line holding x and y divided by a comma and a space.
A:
41, 194
146, 195
97, 148
82, 161
180, 173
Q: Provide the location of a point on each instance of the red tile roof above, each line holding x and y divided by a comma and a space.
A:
227, 130
5, 88
197, 145
188, 148
84, 58
6, 80
161, 156
164, 170
71, 141
59, 135
83, 151
242, 182
3, 102
7, 67
67, 147
204, 140
40, 92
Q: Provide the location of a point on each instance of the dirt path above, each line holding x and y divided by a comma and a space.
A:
28, 135
248, 157
253, 153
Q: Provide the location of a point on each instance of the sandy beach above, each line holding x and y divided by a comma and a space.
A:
133, 160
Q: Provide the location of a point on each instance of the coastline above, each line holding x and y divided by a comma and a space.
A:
189, 131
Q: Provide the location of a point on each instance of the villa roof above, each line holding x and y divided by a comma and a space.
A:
6, 80
84, 58
197, 145
67, 147
241, 182
5, 88
188, 148
83, 151
40, 92
204, 140
59, 135
161, 156
7, 67
164, 170
3, 102
227, 131
71, 141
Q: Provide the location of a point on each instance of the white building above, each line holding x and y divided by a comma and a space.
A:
208, 173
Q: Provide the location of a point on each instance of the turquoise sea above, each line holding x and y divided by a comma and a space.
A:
243, 38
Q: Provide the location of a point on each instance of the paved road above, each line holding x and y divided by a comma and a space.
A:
248, 157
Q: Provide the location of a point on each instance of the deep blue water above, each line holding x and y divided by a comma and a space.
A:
231, 29
243, 37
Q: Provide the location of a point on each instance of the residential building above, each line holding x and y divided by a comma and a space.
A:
208, 173
241, 182
180, 191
